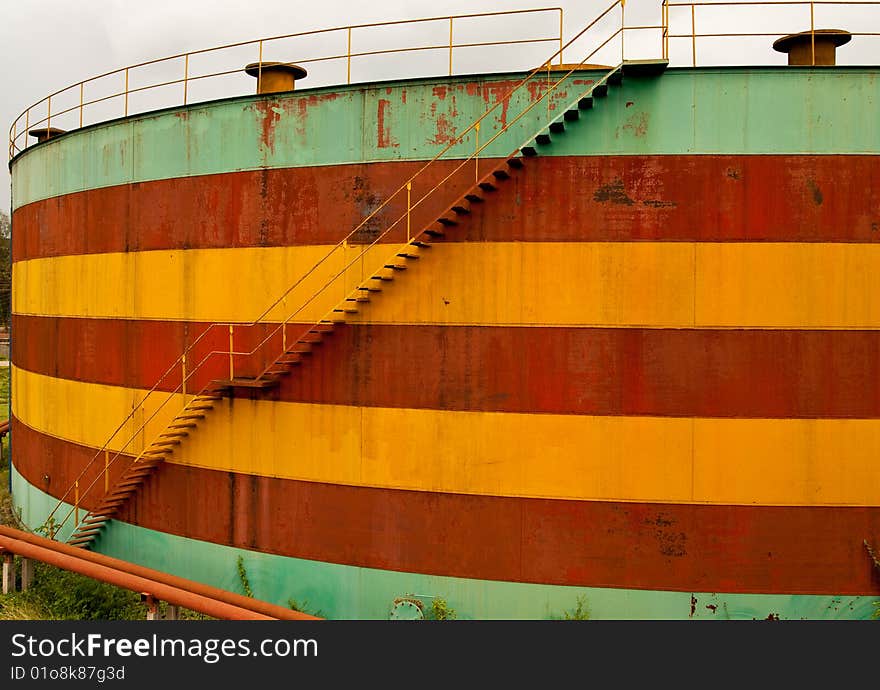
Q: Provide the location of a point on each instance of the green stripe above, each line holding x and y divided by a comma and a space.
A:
341, 591
732, 111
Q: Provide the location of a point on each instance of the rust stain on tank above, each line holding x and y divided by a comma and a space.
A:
304, 104
440, 92
270, 116
384, 139
613, 192
815, 192
445, 133
637, 124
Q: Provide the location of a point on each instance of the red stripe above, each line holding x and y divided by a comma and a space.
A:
783, 198
752, 549
687, 372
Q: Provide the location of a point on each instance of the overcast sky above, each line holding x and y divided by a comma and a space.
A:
49, 44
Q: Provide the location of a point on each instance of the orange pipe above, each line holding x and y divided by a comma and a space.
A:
191, 586
173, 595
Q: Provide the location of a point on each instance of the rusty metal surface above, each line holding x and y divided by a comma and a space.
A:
781, 198
653, 546
559, 370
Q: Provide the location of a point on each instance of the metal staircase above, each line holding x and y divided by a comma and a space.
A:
295, 351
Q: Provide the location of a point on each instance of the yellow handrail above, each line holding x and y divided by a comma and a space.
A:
405, 186
690, 18
348, 55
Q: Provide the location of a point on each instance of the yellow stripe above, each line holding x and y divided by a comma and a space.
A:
738, 461
761, 285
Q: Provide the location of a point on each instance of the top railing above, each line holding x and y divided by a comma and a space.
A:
330, 55
704, 32
691, 33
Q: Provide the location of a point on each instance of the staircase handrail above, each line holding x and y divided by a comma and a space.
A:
545, 66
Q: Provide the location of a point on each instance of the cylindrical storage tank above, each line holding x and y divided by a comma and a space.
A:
641, 372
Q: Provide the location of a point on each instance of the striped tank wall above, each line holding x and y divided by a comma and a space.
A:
647, 373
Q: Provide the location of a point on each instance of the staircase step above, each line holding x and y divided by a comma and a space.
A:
435, 231
543, 138
421, 243
358, 299
501, 174
383, 275
198, 408
324, 328
249, 383
131, 482
515, 162
396, 266
188, 425
290, 358
81, 541
346, 309
585, 103
601, 90
408, 253
644, 68
571, 115
615, 78
474, 198
85, 529
276, 372
529, 151
119, 494
448, 222
168, 443
95, 519
370, 288
487, 186
195, 415
461, 209
557, 127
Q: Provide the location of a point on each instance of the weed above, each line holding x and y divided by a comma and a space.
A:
441, 611
581, 611
242, 575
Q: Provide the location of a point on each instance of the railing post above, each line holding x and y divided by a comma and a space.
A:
664, 34
477, 151
408, 208
693, 35
812, 36
560, 37
622, 28
450, 46
183, 379
260, 69
185, 76
231, 350
348, 56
